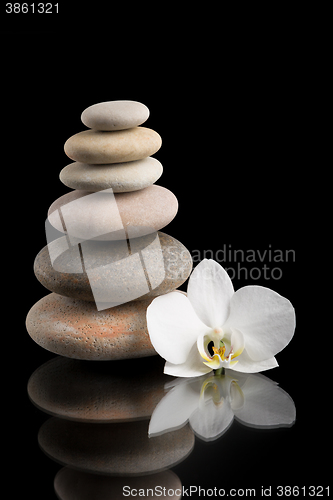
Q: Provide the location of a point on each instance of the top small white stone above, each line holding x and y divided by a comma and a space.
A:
115, 115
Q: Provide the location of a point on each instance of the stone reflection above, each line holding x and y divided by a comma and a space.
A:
74, 485
98, 392
115, 425
210, 404
100, 428
119, 449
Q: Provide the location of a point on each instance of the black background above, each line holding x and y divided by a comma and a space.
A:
231, 120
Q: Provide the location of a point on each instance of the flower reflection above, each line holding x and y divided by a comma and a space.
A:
210, 404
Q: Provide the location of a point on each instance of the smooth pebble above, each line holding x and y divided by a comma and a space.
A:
75, 329
111, 272
115, 115
92, 146
121, 177
107, 216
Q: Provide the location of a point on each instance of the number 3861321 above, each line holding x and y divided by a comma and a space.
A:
33, 8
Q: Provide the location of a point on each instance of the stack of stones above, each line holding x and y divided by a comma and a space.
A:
109, 259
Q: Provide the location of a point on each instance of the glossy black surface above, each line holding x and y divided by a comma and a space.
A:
243, 457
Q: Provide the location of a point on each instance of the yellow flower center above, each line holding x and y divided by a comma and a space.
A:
219, 351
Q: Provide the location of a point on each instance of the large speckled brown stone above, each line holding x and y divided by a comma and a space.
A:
166, 272
98, 392
75, 329
114, 449
71, 484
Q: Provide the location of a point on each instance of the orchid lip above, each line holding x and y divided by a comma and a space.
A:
221, 354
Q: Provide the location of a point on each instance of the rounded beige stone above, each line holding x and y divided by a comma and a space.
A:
106, 216
92, 146
121, 177
115, 115
76, 329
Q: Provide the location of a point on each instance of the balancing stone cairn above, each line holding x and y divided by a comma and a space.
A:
109, 259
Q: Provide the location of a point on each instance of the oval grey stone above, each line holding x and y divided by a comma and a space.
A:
115, 115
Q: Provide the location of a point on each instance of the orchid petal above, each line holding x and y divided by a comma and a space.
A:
265, 318
215, 363
202, 344
193, 366
209, 291
247, 365
173, 326
237, 342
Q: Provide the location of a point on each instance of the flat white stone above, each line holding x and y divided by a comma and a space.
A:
121, 177
115, 115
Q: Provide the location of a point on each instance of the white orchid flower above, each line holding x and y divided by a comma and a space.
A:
210, 404
214, 327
